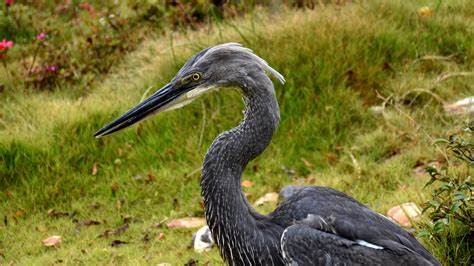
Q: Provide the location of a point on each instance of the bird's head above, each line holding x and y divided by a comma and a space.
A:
220, 66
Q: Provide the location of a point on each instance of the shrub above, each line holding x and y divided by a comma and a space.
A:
451, 207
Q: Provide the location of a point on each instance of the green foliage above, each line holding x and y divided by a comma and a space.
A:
451, 209
85, 40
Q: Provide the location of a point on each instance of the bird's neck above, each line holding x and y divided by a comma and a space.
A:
229, 215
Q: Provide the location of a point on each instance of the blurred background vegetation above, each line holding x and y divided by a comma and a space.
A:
367, 86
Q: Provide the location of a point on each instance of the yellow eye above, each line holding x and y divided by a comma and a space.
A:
196, 76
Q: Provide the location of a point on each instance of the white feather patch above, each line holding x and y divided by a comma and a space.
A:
367, 244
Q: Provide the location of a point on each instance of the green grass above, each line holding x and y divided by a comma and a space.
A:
338, 61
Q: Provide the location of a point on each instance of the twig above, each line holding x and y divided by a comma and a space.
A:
145, 93
436, 96
450, 75
193, 172
434, 57
34, 58
356, 165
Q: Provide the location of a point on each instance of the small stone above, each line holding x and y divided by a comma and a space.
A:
463, 106
191, 222
405, 213
52, 241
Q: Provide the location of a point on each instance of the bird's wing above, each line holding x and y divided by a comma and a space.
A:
344, 221
304, 245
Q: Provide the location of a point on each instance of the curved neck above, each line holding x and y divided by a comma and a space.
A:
230, 217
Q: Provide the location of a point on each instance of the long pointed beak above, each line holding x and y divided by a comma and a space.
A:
155, 103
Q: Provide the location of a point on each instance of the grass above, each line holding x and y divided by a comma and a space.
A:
338, 61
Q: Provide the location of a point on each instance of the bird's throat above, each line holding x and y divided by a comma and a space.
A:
230, 217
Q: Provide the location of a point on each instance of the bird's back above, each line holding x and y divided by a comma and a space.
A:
336, 213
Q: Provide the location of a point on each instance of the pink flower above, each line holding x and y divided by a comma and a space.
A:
41, 36
89, 8
51, 68
5, 45
8, 3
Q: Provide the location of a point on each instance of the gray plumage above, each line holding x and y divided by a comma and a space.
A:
313, 225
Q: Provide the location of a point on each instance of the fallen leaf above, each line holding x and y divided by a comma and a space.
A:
117, 242
118, 204
247, 183
269, 197
94, 169
120, 229
311, 179
191, 222
404, 213
160, 236
52, 241
87, 223
137, 177
116, 231
55, 213
106, 233
255, 168
41, 228
330, 157
191, 262
249, 196
94, 205
19, 213
425, 12
115, 188
307, 163
151, 178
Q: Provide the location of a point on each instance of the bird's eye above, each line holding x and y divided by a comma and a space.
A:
196, 76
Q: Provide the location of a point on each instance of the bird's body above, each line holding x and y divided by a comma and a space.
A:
314, 225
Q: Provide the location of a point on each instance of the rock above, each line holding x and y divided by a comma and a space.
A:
191, 222
52, 241
464, 106
405, 213
202, 240
269, 197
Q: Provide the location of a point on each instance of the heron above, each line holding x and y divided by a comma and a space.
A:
315, 225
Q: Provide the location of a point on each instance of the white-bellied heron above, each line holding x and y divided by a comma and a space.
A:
313, 226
